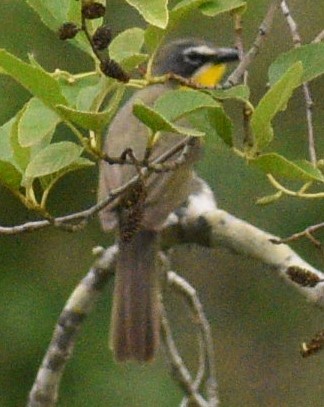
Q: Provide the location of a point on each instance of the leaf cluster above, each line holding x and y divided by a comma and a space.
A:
86, 102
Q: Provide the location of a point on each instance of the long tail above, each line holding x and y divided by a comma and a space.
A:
135, 318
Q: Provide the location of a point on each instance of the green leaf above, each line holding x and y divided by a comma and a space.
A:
74, 12
222, 124
94, 120
33, 61
87, 95
154, 36
36, 122
155, 12
10, 176
54, 13
214, 123
311, 56
239, 92
53, 158
156, 122
125, 48
184, 7
309, 168
134, 61
79, 164
5, 145
21, 154
129, 42
175, 104
278, 165
274, 101
115, 100
89, 120
34, 79
72, 90
214, 7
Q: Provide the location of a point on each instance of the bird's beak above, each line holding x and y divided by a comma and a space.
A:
224, 55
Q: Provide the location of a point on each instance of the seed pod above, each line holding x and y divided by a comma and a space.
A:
102, 38
112, 69
303, 277
68, 31
93, 10
133, 209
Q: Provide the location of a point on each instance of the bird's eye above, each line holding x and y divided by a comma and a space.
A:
194, 58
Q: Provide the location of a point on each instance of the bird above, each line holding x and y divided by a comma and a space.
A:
142, 210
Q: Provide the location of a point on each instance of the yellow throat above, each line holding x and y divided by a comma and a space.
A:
209, 75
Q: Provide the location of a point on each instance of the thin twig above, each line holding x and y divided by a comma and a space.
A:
175, 359
247, 112
263, 31
82, 218
45, 390
308, 233
297, 41
182, 373
189, 293
290, 192
206, 356
109, 67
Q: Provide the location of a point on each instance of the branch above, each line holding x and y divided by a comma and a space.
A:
307, 94
206, 370
263, 31
198, 222
79, 220
201, 222
45, 389
183, 375
190, 295
308, 233
315, 345
247, 111
319, 37
299, 194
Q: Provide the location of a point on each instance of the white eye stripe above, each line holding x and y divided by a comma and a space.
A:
200, 50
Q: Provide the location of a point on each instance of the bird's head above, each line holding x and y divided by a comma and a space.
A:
196, 59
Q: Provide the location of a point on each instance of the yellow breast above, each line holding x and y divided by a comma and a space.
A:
209, 75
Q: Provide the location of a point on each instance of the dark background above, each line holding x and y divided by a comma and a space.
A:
258, 322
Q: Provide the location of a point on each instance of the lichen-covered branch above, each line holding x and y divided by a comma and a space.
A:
201, 222
45, 389
319, 37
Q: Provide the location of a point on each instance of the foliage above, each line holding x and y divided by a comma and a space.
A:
32, 160
86, 102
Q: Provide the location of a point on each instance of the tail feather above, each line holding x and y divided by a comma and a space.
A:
135, 321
